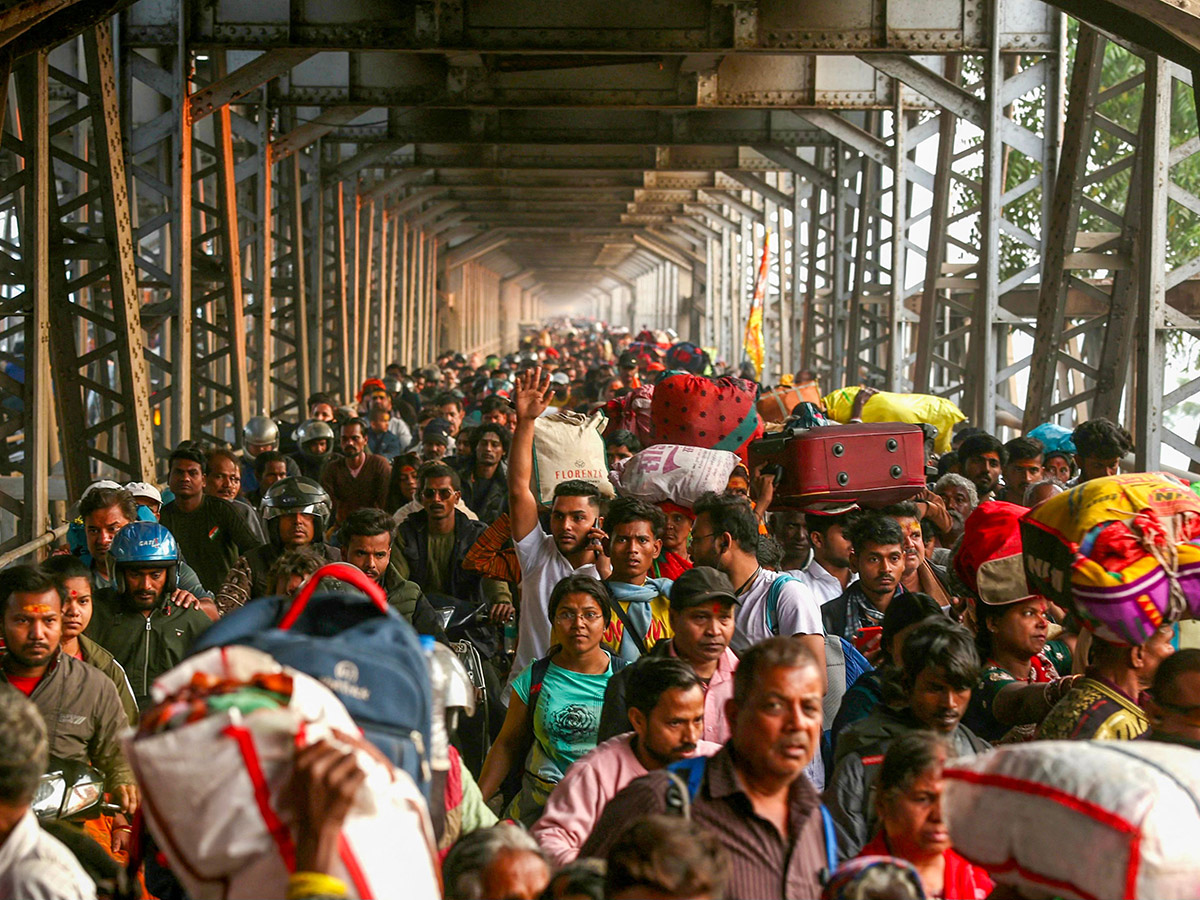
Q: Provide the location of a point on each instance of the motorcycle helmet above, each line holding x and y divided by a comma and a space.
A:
314, 430
260, 432
147, 544
296, 495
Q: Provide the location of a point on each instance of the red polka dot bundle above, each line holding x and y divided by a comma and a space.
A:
714, 413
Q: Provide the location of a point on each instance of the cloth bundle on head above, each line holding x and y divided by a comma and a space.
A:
687, 357
714, 413
1054, 438
914, 409
989, 559
671, 472
1123, 552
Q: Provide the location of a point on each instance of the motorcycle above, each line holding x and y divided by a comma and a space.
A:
472, 637
71, 790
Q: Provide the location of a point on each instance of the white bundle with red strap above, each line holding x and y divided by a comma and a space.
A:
1082, 819
215, 789
673, 472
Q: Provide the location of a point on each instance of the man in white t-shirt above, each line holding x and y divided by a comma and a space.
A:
725, 537
829, 573
574, 543
33, 864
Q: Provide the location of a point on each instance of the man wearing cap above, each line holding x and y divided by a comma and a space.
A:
1019, 683
702, 620
436, 441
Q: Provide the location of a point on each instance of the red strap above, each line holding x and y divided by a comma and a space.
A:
342, 572
359, 878
262, 795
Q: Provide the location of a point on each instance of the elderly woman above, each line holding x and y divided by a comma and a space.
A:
554, 712
908, 800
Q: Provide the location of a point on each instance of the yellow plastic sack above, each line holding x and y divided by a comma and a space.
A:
910, 408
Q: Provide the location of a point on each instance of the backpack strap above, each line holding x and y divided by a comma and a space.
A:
773, 602
685, 776
537, 674
627, 625
831, 851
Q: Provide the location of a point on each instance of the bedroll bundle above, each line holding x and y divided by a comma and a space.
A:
1080, 819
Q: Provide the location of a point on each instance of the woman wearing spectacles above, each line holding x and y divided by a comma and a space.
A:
554, 713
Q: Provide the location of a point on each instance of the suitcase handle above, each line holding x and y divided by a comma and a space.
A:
342, 572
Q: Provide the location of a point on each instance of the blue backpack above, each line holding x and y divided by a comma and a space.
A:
357, 646
688, 774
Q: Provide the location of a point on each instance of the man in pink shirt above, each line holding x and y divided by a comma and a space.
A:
666, 711
702, 620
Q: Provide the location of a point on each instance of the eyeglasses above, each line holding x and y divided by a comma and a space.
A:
588, 615
693, 537
440, 493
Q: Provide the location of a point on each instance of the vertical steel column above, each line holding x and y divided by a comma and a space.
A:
424, 326
1155, 187
1063, 226
935, 254
434, 317
299, 284
265, 302
893, 360
33, 92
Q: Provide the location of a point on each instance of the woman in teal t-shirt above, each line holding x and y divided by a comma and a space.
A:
561, 722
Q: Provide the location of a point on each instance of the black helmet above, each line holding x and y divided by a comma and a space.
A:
296, 495
314, 430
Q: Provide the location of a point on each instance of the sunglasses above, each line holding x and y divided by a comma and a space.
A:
440, 493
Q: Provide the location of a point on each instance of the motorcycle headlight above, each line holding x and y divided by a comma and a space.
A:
84, 794
48, 798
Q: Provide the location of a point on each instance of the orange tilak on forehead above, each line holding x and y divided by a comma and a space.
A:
37, 609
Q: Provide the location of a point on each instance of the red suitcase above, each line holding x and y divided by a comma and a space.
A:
874, 464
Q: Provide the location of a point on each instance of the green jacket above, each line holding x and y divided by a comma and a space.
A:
95, 655
145, 646
406, 598
83, 717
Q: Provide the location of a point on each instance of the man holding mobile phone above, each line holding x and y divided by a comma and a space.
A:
575, 543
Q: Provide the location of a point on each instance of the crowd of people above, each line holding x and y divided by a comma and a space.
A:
718, 699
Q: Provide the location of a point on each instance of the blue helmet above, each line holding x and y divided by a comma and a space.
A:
144, 542
147, 544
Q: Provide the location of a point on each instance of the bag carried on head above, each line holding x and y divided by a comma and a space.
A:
715, 413
1123, 552
214, 759
567, 446
354, 644
675, 473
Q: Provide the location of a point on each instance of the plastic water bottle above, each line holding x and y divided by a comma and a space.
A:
439, 739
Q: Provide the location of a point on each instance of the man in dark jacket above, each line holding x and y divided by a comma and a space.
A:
433, 543
485, 476
79, 703
939, 666
366, 541
137, 623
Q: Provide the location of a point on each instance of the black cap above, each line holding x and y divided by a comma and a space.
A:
699, 585
437, 429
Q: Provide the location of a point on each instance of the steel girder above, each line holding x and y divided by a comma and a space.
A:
630, 28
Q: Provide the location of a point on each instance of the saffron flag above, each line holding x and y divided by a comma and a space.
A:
753, 342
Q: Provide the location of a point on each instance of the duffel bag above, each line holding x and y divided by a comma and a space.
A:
915, 409
568, 446
214, 759
1080, 819
1120, 551
714, 413
675, 473
357, 646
